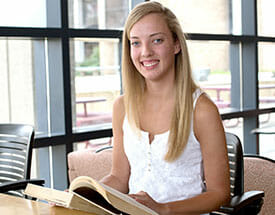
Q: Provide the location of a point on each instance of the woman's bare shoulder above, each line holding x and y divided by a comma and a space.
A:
207, 119
118, 108
119, 103
205, 108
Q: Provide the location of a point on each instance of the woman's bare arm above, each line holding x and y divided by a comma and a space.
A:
119, 176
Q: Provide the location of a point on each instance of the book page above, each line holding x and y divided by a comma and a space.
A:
67, 199
96, 198
81, 203
50, 195
119, 200
126, 203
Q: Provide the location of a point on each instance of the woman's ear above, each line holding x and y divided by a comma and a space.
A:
177, 47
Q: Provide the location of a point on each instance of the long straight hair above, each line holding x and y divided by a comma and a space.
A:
134, 83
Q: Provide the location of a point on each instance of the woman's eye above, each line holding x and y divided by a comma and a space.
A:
157, 41
135, 43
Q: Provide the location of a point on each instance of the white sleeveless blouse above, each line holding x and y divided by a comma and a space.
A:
163, 181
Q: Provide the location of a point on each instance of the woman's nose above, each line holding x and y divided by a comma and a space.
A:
147, 50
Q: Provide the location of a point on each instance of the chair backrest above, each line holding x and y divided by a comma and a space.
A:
89, 162
16, 142
259, 174
235, 156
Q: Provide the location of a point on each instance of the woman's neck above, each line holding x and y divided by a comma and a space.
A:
160, 90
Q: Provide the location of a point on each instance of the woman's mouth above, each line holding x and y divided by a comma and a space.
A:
150, 64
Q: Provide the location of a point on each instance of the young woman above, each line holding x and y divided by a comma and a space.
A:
169, 143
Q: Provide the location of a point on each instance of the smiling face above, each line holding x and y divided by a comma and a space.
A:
153, 47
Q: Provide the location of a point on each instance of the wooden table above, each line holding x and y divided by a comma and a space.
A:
10, 205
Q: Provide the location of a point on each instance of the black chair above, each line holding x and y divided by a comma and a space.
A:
16, 144
249, 202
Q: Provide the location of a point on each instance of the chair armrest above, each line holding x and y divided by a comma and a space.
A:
240, 202
19, 185
103, 148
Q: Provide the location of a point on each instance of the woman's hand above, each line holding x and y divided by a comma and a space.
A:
145, 199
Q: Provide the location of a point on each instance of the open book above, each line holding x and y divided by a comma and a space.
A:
89, 195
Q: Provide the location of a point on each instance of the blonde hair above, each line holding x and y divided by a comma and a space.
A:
134, 83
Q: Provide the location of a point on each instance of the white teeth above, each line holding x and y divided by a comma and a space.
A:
150, 64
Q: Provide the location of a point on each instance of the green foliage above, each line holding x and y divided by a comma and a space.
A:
220, 71
93, 59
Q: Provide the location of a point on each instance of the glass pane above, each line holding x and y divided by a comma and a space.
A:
200, 16
266, 75
25, 80
18, 13
266, 17
97, 14
96, 81
235, 126
267, 140
17, 81
211, 72
34, 164
94, 144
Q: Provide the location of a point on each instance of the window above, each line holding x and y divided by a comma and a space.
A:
17, 81
96, 72
266, 75
95, 14
265, 17
211, 69
20, 14
199, 16
267, 147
